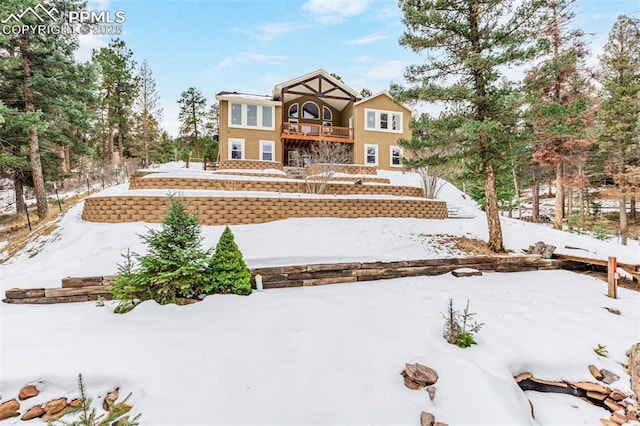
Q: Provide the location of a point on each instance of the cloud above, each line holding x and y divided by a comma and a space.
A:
332, 12
273, 30
388, 70
87, 43
98, 4
255, 57
368, 39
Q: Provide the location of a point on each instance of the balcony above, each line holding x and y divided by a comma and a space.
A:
316, 132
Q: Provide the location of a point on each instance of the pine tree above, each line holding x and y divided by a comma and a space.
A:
192, 118
149, 111
560, 101
469, 44
227, 267
620, 108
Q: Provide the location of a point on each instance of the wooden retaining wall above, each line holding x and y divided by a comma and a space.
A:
89, 288
250, 210
160, 182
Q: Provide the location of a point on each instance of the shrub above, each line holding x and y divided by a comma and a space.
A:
459, 328
174, 266
227, 269
601, 350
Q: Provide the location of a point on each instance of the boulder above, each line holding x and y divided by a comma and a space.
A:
427, 419
595, 372
607, 422
55, 406
617, 395
110, 399
9, 409
421, 374
75, 403
27, 392
608, 377
431, 390
33, 412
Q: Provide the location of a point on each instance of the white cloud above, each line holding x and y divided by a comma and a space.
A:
362, 59
87, 43
331, 12
368, 39
388, 70
256, 57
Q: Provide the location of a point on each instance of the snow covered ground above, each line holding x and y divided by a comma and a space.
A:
324, 355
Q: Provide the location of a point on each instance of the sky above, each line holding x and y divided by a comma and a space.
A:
250, 46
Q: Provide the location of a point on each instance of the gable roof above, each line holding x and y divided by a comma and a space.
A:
383, 93
319, 84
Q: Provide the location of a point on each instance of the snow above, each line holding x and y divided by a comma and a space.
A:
321, 355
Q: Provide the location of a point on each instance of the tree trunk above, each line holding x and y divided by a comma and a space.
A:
581, 205
493, 215
559, 207
536, 195
18, 190
32, 136
145, 135
632, 207
549, 192
624, 224
569, 193
120, 148
109, 153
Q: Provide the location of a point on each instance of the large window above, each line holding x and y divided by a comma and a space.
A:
310, 110
371, 155
326, 114
395, 154
383, 121
236, 149
267, 150
293, 110
251, 116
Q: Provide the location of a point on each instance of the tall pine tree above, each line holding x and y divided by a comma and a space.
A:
620, 108
192, 118
149, 112
468, 45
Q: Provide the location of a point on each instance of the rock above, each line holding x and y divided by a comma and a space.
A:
27, 392
522, 376
607, 422
595, 372
411, 384
466, 272
612, 405
427, 419
421, 373
440, 424
49, 418
597, 395
75, 403
121, 421
55, 406
9, 409
110, 399
617, 395
634, 368
33, 412
613, 310
431, 390
608, 377
588, 386
619, 418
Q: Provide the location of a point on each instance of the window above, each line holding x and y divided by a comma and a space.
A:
293, 110
383, 121
267, 148
326, 114
310, 110
236, 149
395, 154
371, 155
251, 116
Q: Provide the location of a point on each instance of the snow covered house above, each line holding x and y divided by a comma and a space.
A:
311, 108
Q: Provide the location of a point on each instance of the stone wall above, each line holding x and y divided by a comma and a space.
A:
352, 169
269, 186
249, 210
250, 164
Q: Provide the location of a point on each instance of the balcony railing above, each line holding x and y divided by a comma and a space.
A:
309, 131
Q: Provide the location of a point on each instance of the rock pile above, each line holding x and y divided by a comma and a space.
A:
55, 408
416, 377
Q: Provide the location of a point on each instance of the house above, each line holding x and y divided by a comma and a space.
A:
311, 108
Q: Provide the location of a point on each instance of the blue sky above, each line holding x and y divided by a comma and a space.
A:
249, 46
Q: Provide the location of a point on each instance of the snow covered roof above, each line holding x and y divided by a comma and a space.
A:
235, 96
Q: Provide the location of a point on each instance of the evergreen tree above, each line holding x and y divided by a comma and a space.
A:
192, 118
174, 265
472, 42
149, 112
227, 267
560, 111
620, 108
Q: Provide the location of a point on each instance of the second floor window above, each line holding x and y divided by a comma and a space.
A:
383, 121
251, 116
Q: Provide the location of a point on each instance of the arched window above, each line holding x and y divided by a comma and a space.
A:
293, 110
310, 110
326, 114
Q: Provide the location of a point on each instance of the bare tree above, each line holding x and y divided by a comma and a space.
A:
324, 160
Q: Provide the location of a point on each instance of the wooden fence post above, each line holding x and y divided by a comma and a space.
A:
612, 265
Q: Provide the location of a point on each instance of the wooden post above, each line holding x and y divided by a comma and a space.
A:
612, 265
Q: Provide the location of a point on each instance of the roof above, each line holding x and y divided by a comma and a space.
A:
383, 93
230, 96
319, 84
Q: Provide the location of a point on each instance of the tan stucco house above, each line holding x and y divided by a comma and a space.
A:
311, 108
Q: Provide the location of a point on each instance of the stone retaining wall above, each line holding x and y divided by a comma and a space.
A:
160, 182
250, 164
352, 169
249, 210
89, 288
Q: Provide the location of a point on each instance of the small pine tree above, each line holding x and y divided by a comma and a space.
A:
174, 265
227, 269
